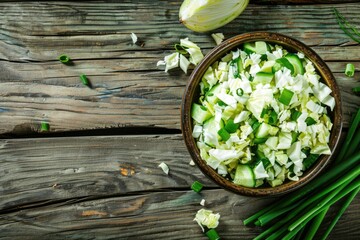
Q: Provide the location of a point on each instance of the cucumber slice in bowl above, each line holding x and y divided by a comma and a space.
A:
244, 176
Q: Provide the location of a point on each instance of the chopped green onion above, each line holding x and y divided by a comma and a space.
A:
294, 136
212, 234
84, 80
310, 121
295, 114
203, 108
255, 125
221, 103
239, 92
273, 118
259, 140
196, 186
350, 70
210, 94
310, 160
264, 112
284, 62
266, 162
44, 127
356, 89
231, 127
286, 96
224, 134
180, 49
64, 59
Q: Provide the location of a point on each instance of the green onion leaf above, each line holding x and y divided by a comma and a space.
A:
239, 92
64, 58
224, 134
84, 80
285, 63
294, 136
259, 140
273, 118
286, 96
212, 234
310, 121
356, 89
350, 70
295, 114
196, 186
310, 160
44, 127
221, 104
231, 127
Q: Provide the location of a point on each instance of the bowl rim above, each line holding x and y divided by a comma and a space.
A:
212, 56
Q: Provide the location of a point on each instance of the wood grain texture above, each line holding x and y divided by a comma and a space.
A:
154, 215
112, 187
128, 88
38, 171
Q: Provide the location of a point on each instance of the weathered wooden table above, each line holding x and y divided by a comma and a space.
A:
95, 174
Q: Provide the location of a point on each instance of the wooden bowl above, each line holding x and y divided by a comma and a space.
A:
192, 93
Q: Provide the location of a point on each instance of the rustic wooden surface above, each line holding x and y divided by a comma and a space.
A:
95, 175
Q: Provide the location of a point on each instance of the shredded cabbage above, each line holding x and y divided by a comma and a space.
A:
272, 137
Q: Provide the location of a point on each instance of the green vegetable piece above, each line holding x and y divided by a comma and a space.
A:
310, 160
273, 118
263, 77
84, 80
221, 104
64, 58
224, 134
199, 113
197, 186
231, 127
255, 125
212, 234
309, 121
348, 28
237, 63
260, 140
296, 63
264, 112
350, 70
294, 136
239, 92
266, 162
284, 62
286, 96
356, 90
45, 127
295, 114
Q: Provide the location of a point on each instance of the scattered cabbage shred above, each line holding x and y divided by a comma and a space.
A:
235, 88
164, 167
192, 55
207, 218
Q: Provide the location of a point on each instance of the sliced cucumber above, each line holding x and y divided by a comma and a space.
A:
297, 64
261, 47
284, 62
249, 47
258, 47
210, 96
244, 176
199, 113
263, 78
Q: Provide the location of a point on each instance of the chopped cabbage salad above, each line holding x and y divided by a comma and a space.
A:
262, 116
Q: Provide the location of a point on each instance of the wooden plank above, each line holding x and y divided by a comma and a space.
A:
38, 171
154, 215
128, 88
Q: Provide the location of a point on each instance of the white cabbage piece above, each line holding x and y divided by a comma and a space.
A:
164, 167
207, 218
